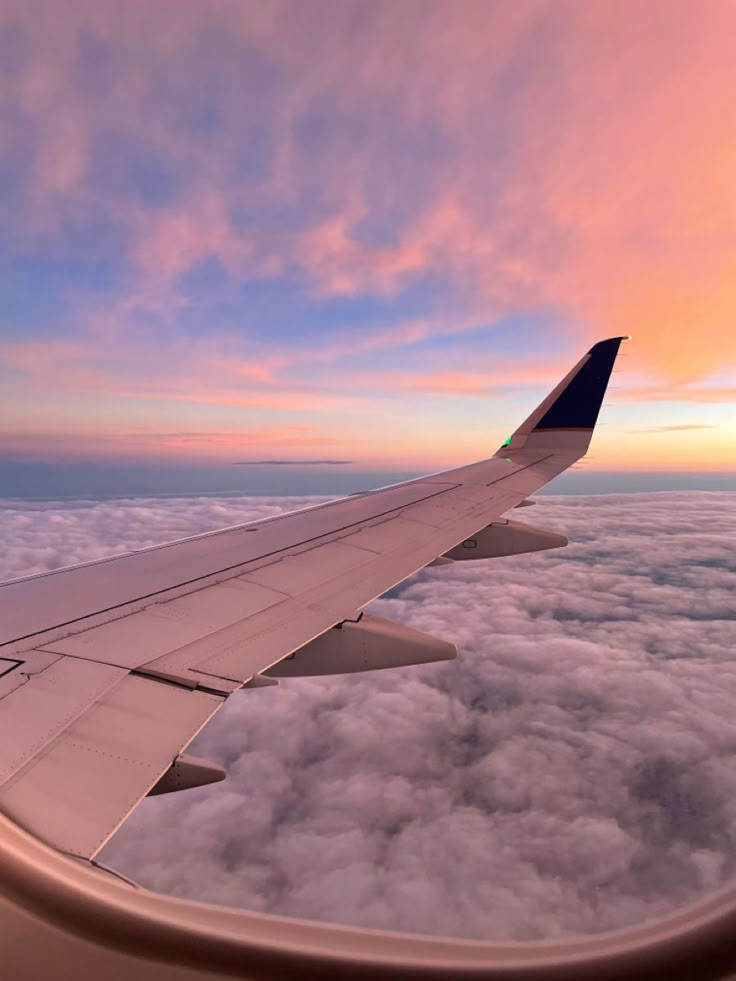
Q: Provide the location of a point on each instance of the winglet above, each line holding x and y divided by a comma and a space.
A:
573, 406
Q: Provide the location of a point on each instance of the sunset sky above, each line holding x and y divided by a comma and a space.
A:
371, 231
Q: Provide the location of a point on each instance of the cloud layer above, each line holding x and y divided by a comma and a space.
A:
571, 771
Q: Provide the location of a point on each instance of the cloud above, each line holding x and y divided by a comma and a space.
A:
495, 156
671, 429
571, 771
320, 215
142, 444
681, 393
289, 463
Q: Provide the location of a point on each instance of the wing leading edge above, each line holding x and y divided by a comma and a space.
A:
108, 670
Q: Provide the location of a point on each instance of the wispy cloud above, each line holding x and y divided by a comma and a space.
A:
290, 463
671, 429
160, 446
414, 180
717, 394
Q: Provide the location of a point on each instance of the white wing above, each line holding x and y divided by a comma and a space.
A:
109, 669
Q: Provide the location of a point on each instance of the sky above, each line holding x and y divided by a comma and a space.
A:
571, 771
375, 232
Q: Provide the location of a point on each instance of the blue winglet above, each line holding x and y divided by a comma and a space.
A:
578, 405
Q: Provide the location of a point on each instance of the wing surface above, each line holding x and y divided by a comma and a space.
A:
109, 669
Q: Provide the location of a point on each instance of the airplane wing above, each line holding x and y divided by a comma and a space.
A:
109, 669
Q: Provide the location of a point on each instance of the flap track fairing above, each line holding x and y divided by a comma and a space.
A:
505, 537
366, 644
186, 772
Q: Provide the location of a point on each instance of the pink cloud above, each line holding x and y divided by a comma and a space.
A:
199, 373
525, 155
173, 241
717, 394
158, 446
340, 265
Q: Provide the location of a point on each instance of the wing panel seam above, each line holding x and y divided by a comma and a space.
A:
217, 572
49, 737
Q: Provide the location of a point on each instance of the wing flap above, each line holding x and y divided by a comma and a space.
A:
133, 640
382, 538
33, 715
130, 640
76, 793
256, 644
294, 574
